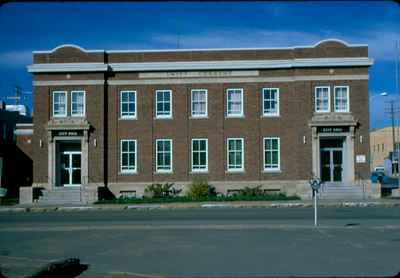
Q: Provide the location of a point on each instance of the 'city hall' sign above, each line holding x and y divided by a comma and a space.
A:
332, 129
67, 133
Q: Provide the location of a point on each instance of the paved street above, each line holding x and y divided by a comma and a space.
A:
206, 242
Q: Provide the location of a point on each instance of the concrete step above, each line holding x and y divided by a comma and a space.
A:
61, 195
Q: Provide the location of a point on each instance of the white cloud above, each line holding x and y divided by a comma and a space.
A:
16, 58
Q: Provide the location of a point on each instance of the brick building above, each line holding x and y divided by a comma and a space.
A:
269, 116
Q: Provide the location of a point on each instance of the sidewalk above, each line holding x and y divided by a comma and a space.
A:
204, 205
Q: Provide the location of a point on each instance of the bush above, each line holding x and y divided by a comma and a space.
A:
251, 191
201, 189
158, 190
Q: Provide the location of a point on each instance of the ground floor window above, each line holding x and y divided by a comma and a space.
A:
271, 154
199, 155
235, 154
164, 155
128, 156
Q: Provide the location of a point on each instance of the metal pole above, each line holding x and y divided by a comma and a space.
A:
394, 153
315, 208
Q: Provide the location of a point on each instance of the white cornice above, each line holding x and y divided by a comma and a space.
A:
67, 45
68, 67
201, 65
242, 64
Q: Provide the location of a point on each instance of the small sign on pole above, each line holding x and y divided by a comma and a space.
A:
315, 186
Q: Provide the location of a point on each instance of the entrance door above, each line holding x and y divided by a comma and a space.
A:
331, 164
71, 168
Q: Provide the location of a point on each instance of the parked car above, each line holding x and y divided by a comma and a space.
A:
387, 183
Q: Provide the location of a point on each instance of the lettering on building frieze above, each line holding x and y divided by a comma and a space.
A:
183, 74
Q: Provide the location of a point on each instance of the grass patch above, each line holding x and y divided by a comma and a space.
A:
185, 199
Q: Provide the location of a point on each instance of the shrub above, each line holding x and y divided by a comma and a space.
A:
201, 189
158, 190
251, 191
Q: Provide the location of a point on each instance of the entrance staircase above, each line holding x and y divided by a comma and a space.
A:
342, 192
61, 196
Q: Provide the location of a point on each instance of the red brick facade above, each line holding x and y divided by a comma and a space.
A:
337, 65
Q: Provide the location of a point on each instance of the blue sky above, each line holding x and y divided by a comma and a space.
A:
42, 26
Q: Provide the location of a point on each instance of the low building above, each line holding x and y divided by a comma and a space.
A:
276, 117
15, 149
381, 147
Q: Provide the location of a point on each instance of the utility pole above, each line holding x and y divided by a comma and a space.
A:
392, 113
17, 96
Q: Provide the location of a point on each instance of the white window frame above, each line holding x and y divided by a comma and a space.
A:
205, 114
172, 154
169, 116
84, 104
128, 171
230, 114
272, 169
347, 96
206, 151
128, 117
273, 114
65, 104
227, 155
329, 99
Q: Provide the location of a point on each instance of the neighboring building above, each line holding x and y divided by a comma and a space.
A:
381, 147
15, 149
236, 117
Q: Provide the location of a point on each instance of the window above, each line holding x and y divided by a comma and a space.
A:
78, 103
59, 104
199, 155
235, 150
128, 104
128, 156
271, 102
199, 103
271, 154
322, 99
163, 104
234, 103
164, 155
342, 99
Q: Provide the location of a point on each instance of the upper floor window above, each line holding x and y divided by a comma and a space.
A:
234, 103
271, 154
199, 103
235, 154
341, 99
322, 99
59, 104
163, 104
128, 104
199, 155
271, 102
164, 155
128, 156
78, 103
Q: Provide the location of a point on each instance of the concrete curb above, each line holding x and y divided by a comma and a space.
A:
254, 204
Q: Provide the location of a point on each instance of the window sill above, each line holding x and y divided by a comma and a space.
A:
272, 171
235, 171
128, 173
163, 172
235, 117
198, 117
127, 118
271, 116
163, 118
194, 172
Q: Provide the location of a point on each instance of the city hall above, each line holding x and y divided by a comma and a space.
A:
275, 117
